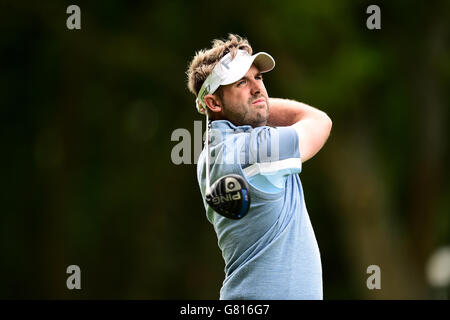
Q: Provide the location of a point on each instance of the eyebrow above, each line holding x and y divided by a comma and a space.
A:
259, 74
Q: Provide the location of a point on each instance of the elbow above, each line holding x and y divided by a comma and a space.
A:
328, 124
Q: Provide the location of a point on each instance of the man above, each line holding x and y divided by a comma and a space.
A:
272, 252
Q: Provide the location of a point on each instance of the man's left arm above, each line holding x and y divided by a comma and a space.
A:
312, 125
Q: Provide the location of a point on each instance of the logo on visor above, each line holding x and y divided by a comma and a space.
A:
226, 61
204, 92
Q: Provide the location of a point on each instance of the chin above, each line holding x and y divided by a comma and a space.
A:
260, 121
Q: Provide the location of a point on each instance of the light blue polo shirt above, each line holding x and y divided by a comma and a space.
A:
272, 252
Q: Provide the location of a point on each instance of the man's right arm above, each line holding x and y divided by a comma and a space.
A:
312, 125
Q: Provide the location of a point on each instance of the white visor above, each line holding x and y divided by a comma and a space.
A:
230, 70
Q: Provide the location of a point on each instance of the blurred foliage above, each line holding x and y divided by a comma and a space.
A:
86, 122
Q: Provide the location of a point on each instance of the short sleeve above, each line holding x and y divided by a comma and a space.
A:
272, 152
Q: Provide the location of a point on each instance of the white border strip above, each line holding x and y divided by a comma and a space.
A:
270, 167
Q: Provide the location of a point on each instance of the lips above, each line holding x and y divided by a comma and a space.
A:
258, 101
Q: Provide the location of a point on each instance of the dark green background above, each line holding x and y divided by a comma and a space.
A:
86, 122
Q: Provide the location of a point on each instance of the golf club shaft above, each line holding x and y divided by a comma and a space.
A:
208, 186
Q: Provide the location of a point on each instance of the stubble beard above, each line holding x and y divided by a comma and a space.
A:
259, 119
256, 119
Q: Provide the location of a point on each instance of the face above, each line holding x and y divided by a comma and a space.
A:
246, 102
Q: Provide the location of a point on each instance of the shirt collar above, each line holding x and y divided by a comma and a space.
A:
224, 125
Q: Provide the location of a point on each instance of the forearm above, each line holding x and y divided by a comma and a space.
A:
286, 112
312, 125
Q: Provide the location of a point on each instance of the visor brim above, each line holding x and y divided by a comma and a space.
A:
262, 60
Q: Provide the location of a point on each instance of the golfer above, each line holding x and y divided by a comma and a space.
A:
271, 252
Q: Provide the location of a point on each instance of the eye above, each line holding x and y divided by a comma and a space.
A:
259, 77
240, 83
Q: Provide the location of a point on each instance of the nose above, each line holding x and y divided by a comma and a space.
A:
256, 87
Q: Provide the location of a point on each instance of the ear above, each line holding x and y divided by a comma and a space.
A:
213, 103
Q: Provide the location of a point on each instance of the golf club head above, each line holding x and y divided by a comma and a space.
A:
229, 197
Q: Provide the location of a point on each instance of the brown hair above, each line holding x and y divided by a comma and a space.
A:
205, 60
